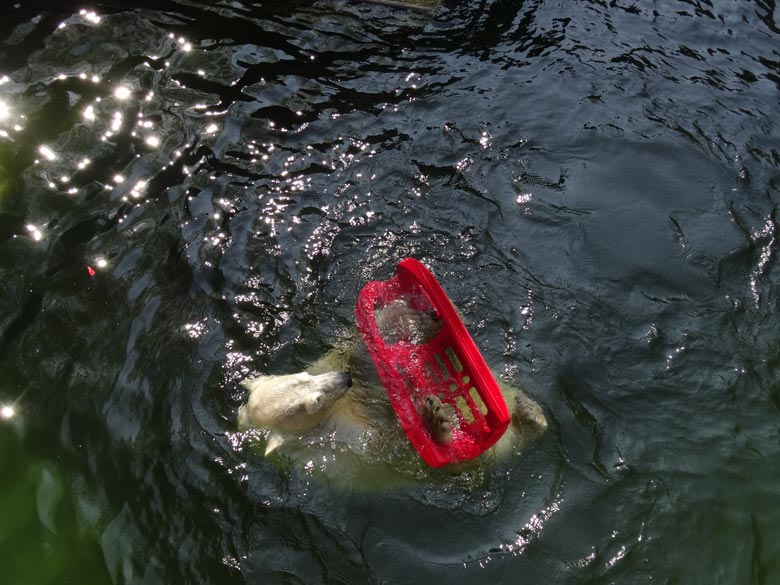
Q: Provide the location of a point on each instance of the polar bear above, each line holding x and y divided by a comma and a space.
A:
335, 420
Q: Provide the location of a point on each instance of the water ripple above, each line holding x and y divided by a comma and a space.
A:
192, 193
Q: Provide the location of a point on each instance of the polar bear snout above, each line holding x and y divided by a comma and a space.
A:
323, 390
332, 382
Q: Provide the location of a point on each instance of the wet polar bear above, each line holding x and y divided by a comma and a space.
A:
335, 421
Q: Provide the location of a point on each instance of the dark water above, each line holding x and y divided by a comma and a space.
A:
596, 184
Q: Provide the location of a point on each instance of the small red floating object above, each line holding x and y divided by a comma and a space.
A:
446, 364
91, 270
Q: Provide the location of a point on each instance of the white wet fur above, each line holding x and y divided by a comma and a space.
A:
292, 403
357, 440
316, 403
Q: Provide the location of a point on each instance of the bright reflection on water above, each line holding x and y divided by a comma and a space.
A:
122, 92
194, 193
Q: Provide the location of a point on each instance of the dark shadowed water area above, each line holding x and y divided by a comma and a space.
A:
193, 192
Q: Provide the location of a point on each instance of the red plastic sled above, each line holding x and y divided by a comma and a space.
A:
447, 365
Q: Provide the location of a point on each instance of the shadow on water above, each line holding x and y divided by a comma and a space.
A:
191, 193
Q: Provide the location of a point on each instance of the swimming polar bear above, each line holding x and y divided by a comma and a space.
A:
335, 420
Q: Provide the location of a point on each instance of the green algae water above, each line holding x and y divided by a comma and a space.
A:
192, 192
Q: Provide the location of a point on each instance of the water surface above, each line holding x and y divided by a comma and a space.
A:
191, 193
